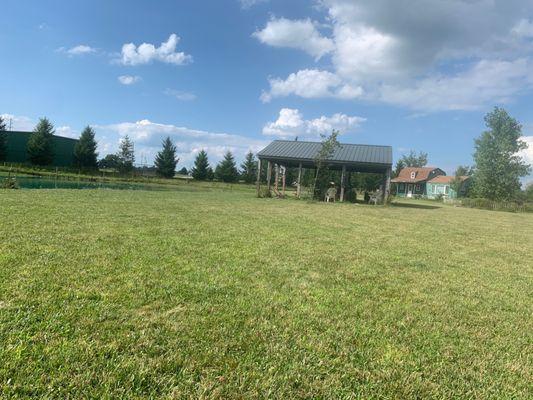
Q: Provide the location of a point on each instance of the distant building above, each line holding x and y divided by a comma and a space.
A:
17, 143
441, 186
412, 181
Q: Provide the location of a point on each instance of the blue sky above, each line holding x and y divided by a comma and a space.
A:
235, 74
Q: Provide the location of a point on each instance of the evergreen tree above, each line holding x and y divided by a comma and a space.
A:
498, 166
183, 171
166, 161
40, 144
126, 155
85, 155
249, 168
201, 165
226, 170
3, 140
210, 174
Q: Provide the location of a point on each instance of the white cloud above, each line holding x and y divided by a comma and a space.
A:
147, 136
484, 83
128, 79
311, 84
296, 34
146, 53
180, 95
67, 131
527, 154
524, 28
443, 54
79, 50
291, 123
245, 4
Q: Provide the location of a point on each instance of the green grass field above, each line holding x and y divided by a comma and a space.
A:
211, 294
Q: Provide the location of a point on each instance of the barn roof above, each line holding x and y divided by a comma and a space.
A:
346, 154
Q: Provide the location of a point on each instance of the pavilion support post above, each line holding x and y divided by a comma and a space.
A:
342, 183
299, 183
269, 176
283, 179
258, 182
386, 185
276, 178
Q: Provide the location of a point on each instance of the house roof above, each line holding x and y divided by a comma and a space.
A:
421, 174
306, 152
446, 179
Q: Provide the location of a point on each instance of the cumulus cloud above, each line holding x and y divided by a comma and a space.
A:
128, 79
483, 83
245, 4
441, 53
147, 136
311, 83
296, 34
147, 53
180, 95
18, 122
78, 50
527, 154
291, 123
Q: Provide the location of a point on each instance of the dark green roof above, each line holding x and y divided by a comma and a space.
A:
297, 151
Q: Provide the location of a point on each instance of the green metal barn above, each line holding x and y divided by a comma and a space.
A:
17, 143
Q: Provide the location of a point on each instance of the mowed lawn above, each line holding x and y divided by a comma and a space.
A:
137, 294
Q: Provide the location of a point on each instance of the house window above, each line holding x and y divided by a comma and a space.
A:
446, 189
413, 175
417, 188
402, 187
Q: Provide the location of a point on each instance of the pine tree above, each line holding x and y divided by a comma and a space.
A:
3, 140
498, 166
40, 144
183, 171
126, 155
201, 165
166, 160
226, 170
249, 168
85, 155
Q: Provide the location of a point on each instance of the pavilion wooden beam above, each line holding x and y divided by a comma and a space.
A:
269, 175
299, 183
342, 182
258, 183
276, 178
386, 186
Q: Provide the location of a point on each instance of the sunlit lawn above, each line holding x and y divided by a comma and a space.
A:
211, 294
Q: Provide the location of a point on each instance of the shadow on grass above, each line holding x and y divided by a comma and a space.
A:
413, 205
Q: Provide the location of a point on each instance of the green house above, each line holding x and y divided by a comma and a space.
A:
412, 181
441, 186
17, 143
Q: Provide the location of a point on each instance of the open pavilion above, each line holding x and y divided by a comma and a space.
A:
346, 158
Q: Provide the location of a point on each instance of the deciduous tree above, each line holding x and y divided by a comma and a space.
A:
499, 167
411, 160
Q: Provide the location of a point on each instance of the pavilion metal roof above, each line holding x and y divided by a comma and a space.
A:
306, 152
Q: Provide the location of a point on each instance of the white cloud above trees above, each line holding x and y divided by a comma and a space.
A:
147, 53
419, 54
291, 124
